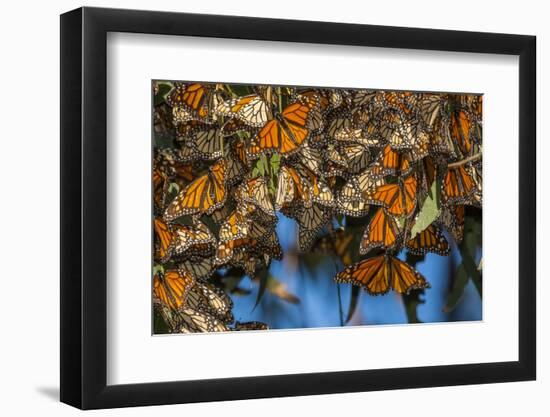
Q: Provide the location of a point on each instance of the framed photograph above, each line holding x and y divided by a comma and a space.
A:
258, 208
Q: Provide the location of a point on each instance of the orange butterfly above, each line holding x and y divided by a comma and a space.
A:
160, 188
285, 133
391, 162
382, 231
380, 274
196, 98
190, 241
171, 288
399, 199
164, 240
429, 240
204, 195
453, 219
460, 130
458, 185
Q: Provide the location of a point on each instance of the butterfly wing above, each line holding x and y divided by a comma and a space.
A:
172, 288
204, 195
404, 277
163, 239
429, 240
382, 231
370, 274
458, 186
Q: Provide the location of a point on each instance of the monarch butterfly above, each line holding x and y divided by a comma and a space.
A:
308, 156
208, 144
428, 173
390, 162
364, 98
318, 105
347, 158
201, 268
311, 221
380, 274
291, 186
399, 199
236, 167
163, 238
160, 189
234, 233
453, 219
284, 133
350, 200
189, 241
250, 325
171, 288
207, 298
255, 192
429, 240
204, 195
382, 231
266, 240
191, 101
405, 134
170, 162
252, 110
458, 185
299, 187
461, 126
430, 107
192, 321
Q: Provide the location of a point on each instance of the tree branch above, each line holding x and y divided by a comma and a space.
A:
472, 158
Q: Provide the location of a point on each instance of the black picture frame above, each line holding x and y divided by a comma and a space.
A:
84, 207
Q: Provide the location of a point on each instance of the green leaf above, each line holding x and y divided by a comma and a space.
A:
468, 247
173, 188
162, 141
260, 166
429, 211
459, 284
263, 276
412, 301
158, 268
159, 325
164, 89
275, 163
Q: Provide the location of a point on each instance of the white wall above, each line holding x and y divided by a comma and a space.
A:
29, 174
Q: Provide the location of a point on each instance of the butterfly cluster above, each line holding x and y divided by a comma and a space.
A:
229, 158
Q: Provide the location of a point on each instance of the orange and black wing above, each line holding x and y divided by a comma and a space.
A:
382, 231
204, 195
399, 200
171, 288
460, 130
163, 240
285, 133
404, 278
430, 239
370, 274
458, 185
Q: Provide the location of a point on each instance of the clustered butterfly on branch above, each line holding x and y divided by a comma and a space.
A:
227, 158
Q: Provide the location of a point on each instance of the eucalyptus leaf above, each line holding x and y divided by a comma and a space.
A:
459, 284
164, 89
263, 276
428, 213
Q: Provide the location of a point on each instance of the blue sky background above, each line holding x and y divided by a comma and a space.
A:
318, 294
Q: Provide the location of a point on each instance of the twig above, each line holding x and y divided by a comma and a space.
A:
472, 158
